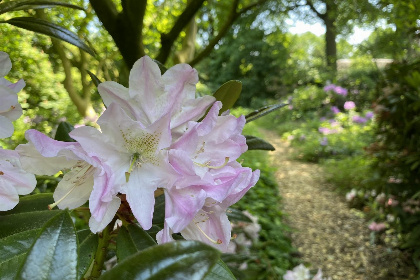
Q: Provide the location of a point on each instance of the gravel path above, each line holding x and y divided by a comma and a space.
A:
328, 234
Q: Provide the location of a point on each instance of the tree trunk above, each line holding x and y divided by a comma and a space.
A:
331, 46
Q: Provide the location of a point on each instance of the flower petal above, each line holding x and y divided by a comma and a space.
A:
75, 187
111, 209
9, 197
5, 64
6, 127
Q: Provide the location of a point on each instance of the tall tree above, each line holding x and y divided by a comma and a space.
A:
339, 18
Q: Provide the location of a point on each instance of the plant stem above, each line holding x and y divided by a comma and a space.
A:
103, 243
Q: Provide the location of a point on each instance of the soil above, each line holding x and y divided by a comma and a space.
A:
326, 232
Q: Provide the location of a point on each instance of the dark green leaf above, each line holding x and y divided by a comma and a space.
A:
220, 272
132, 239
95, 79
159, 212
63, 130
31, 203
86, 252
54, 252
228, 93
19, 228
18, 5
255, 143
263, 111
237, 215
174, 260
49, 29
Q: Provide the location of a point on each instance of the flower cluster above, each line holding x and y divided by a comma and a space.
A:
14, 181
337, 89
152, 142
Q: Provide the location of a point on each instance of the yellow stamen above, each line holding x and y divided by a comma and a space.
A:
51, 206
208, 237
213, 167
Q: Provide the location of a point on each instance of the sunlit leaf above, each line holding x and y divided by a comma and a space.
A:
54, 252
263, 111
132, 239
255, 143
18, 5
49, 29
173, 260
228, 93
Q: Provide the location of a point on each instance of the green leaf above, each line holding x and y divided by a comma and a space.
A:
19, 228
220, 272
95, 79
132, 239
86, 252
54, 252
31, 203
263, 111
255, 143
49, 29
18, 5
63, 130
173, 260
237, 215
228, 93
159, 211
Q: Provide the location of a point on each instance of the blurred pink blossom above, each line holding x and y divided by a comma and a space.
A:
377, 226
348, 105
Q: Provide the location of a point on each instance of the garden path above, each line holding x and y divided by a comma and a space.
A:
327, 234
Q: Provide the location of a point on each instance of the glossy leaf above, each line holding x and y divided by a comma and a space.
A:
86, 252
95, 79
18, 5
255, 143
220, 272
54, 252
263, 111
237, 215
228, 93
19, 228
62, 133
132, 239
173, 260
49, 29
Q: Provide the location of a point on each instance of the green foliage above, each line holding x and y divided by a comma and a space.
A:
174, 260
270, 256
228, 93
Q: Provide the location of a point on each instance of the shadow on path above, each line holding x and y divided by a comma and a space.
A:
327, 233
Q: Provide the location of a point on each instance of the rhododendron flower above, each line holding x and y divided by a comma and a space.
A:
136, 154
87, 177
348, 105
369, 115
10, 108
335, 110
14, 181
351, 195
300, 272
209, 223
377, 226
359, 119
151, 95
